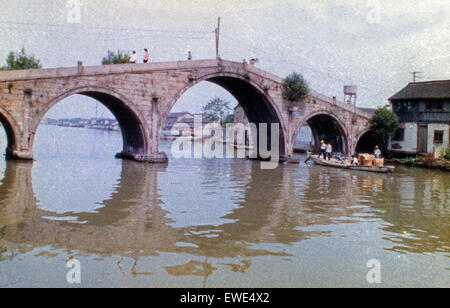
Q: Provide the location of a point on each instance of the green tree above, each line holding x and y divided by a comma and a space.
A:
295, 87
229, 118
217, 108
112, 58
384, 124
446, 154
20, 61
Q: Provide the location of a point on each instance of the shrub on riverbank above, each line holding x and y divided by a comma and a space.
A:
442, 164
446, 154
410, 161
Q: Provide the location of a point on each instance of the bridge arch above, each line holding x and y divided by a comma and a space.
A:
366, 142
257, 104
133, 126
11, 129
326, 126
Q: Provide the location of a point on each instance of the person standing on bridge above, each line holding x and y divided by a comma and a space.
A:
328, 150
253, 61
133, 57
146, 55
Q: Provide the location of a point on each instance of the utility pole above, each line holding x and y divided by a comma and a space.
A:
415, 75
217, 38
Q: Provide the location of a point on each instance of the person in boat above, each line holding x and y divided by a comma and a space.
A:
377, 152
328, 151
323, 147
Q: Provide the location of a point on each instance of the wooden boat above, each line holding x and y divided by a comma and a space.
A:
343, 165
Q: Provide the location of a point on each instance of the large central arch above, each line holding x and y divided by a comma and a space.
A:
133, 127
258, 106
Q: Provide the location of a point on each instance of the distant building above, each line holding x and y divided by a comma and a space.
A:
176, 117
423, 109
186, 118
239, 115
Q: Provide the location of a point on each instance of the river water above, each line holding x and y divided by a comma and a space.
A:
214, 222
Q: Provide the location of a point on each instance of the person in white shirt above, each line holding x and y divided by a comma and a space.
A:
328, 150
377, 152
133, 57
323, 147
355, 160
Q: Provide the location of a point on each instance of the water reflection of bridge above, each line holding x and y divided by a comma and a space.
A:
134, 223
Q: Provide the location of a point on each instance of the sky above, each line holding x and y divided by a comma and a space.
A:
374, 44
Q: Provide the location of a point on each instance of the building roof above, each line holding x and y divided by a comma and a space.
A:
177, 114
429, 89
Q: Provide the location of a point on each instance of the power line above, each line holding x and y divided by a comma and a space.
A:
119, 37
75, 26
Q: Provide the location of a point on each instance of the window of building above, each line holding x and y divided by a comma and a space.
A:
404, 106
434, 107
399, 135
438, 137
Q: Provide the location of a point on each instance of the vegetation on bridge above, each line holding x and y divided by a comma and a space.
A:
295, 87
384, 124
119, 58
20, 61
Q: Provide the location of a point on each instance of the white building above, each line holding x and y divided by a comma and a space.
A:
423, 109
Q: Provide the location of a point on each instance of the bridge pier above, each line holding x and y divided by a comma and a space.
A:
159, 157
19, 155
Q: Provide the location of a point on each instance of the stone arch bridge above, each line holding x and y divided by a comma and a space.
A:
141, 96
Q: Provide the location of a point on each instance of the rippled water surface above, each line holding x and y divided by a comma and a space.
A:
214, 223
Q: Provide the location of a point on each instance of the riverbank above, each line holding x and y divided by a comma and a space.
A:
440, 164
